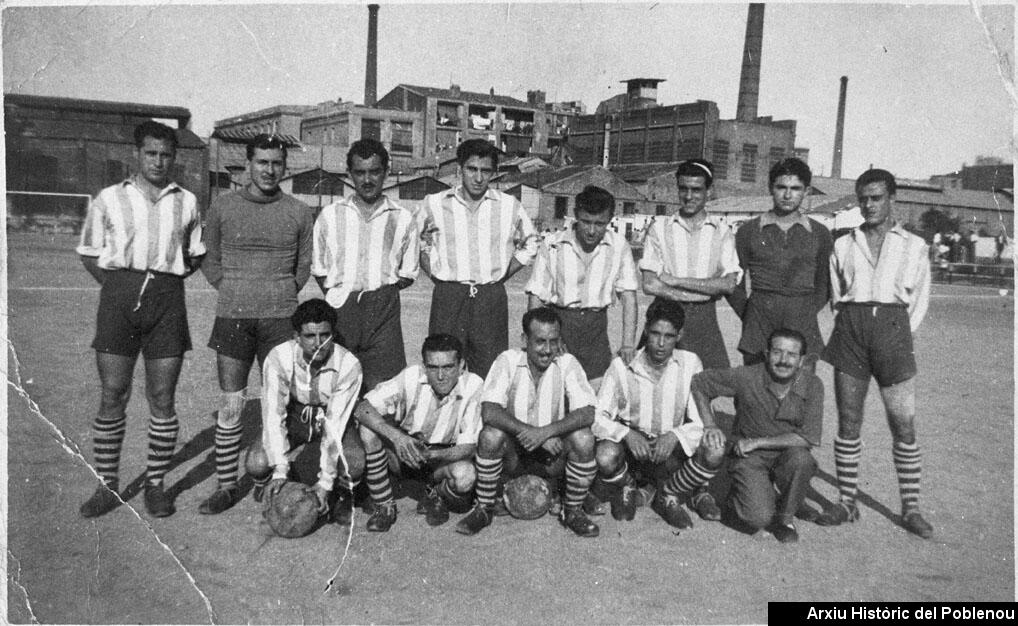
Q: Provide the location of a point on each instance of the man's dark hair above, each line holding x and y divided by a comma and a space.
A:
667, 310
700, 168
595, 201
877, 176
313, 311
155, 130
365, 149
265, 142
442, 342
787, 333
477, 148
790, 167
544, 315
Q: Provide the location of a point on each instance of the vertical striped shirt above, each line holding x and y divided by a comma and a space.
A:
128, 231
565, 276
510, 385
899, 275
354, 254
475, 246
630, 398
330, 395
454, 419
682, 249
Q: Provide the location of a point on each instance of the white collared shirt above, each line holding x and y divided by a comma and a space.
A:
511, 385
676, 246
454, 419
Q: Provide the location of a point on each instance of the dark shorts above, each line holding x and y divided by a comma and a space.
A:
701, 334
305, 466
136, 315
872, 341
650, 473
246, 338
480, 321
766, 312
369, 325
585, 333
517, 461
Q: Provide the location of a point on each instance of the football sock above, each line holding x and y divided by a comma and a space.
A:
908, 462
847, 453
488, 473
108, 437
687, 478
378, 476
579, 475
228, 454
162, 439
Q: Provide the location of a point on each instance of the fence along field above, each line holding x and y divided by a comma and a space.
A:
128, 568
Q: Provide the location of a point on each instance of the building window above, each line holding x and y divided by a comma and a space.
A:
721, 159
561, 206
661, 210
402, 137
371, 129
628, 208
776, 155
748, 173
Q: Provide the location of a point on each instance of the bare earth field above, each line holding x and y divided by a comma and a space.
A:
129, 568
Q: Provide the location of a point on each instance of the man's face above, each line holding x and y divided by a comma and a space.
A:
875, 203
475, 175
590, 228
442, 370
787, 192
662, 337
544, 341
155, 160
368, 177
784, 357
315, 340
266, 168
692, 195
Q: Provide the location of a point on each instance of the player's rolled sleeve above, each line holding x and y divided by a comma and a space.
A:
92, 230
921, 296
578, 389
275, 396
610, 402
470, 420
627, 278
337, 416
321, 255
728, 261
387, 396
529, 239
540, 283
653, 257
212, 264
409, 266
194, 237
496, 384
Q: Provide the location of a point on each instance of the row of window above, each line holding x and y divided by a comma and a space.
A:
748, 166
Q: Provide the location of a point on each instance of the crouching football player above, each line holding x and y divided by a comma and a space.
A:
309, 390
527, 428
646, 418
425, 422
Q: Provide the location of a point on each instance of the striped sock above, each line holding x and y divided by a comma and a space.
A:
578, 478
228, 454
908, 462
377, 472
162, 439
847, 453
107, 439
488, 473
687, 478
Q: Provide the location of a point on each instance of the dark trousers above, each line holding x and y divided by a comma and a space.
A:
369, 326
477, 315
755, 477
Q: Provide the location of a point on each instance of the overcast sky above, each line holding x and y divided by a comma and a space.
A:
925, 90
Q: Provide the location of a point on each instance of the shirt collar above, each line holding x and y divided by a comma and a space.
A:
489, 194
641, 365
386, 205
456, 393
770, 218
709, 220
569, 236
171, 186
799, 386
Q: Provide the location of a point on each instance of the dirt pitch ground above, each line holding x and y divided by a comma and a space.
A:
129, 568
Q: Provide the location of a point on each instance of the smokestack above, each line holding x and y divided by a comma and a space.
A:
749, 82
371, 75
839, 130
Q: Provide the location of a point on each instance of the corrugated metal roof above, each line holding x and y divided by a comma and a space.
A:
232, 135
97, 106
641, 173
467, 96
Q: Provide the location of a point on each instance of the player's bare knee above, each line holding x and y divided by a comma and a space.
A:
371, 441
257, 462
231, 407
160, 402
355, 462
113, 400
462, 476
710, 458
609, 456
580, 444
491, 442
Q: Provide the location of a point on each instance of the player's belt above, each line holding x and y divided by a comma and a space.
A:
579, 309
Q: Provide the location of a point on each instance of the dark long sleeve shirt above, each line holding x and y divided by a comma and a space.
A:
259, 253
789, 262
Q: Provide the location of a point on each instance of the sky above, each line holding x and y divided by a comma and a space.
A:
926, 92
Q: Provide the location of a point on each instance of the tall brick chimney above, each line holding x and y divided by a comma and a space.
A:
839, 130
371, 74
749, 82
